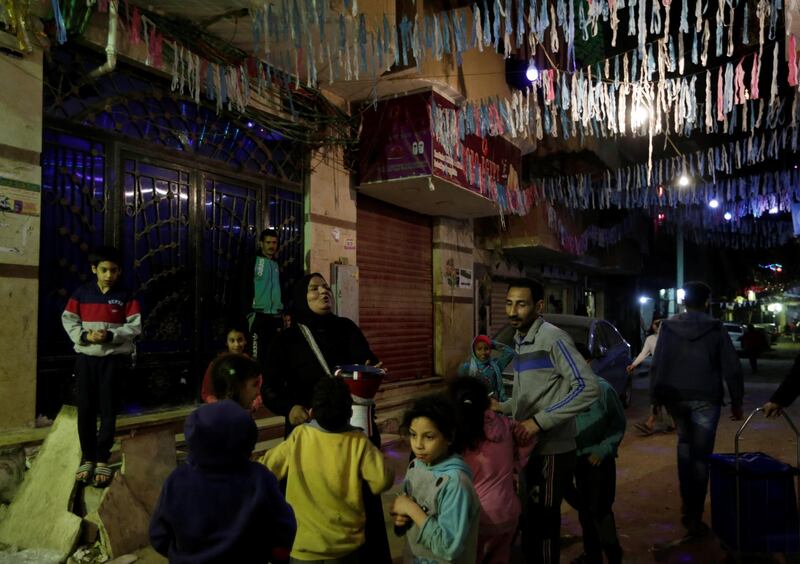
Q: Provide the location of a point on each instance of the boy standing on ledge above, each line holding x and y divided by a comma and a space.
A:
102, 321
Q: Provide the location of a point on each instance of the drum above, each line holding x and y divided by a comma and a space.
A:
363, 382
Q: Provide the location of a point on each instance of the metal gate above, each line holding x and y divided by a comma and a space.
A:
184, 204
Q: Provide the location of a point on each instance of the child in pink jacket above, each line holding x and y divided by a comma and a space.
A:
493, 457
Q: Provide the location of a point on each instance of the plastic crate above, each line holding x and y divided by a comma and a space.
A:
768, 504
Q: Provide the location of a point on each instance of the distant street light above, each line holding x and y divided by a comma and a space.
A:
727, 216
683, 181
773, 210
643, 300
639, 115
713, 204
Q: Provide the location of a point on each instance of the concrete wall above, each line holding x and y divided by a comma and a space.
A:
330, 208
453, 307
20, 194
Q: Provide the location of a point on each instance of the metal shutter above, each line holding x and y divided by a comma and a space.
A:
497, 316
394, 255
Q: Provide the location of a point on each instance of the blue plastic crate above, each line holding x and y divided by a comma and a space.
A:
768, 503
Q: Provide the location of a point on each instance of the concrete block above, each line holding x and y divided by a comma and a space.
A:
148, 457
39, 516
12, 470
122, 519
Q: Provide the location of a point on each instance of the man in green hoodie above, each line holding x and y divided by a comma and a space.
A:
264, 294
552, 384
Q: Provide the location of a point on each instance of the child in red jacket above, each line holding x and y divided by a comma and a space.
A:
236, 341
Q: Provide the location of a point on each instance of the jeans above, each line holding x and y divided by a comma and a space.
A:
696, 421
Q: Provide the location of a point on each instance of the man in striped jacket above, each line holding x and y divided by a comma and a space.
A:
102, 321
552, 384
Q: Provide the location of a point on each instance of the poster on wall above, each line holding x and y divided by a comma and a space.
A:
465, 278
19, 218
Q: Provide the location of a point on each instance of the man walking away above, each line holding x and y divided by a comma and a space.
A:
693, 357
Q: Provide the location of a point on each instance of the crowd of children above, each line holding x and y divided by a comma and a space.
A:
459, 500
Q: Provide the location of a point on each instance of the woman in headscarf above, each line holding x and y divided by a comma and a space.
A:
292, 368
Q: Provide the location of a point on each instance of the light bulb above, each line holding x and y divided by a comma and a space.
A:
532, 74
713, 204
683, 180
727, 216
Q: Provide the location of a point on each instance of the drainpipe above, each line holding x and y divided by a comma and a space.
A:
111, 46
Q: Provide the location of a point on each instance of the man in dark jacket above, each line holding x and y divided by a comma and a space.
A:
786, 393
693, 356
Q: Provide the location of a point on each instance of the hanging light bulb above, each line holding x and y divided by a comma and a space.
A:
532, 74
713, 204
727, 216
683, 181
639, 115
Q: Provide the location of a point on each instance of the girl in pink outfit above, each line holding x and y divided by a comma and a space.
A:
493, 457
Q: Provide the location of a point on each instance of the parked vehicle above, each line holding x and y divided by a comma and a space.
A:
611, 353
770, 330
735, 332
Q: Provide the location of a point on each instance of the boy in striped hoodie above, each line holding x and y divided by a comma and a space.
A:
102, 321
552, 384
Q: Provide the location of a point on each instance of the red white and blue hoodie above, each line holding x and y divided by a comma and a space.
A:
116, 311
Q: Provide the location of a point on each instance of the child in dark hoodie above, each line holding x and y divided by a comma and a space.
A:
221, 506
490, 370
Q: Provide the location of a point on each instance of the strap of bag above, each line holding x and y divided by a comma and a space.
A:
314, 347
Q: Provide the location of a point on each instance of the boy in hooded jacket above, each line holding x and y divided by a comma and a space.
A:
221, 506
481, 365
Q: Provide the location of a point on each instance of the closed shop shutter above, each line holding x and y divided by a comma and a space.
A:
497, 317
394, 254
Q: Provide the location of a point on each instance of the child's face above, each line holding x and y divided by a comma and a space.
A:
107, 274
483, 351
249, 392
427, 442
236, 342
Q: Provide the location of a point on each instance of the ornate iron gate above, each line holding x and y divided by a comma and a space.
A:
185, 205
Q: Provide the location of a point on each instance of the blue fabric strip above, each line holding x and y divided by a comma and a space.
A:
577, 373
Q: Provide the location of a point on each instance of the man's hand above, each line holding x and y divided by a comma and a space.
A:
772, 409
298, 415
595, 460
379, 365
526, 431
736, 413
629, 369
494, 405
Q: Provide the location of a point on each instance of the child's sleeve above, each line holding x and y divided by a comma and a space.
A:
375, 471
279, 520
161, 533
206, 389
71, 321
506, 354
277, 459
446, 533
463, 370
132, 327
